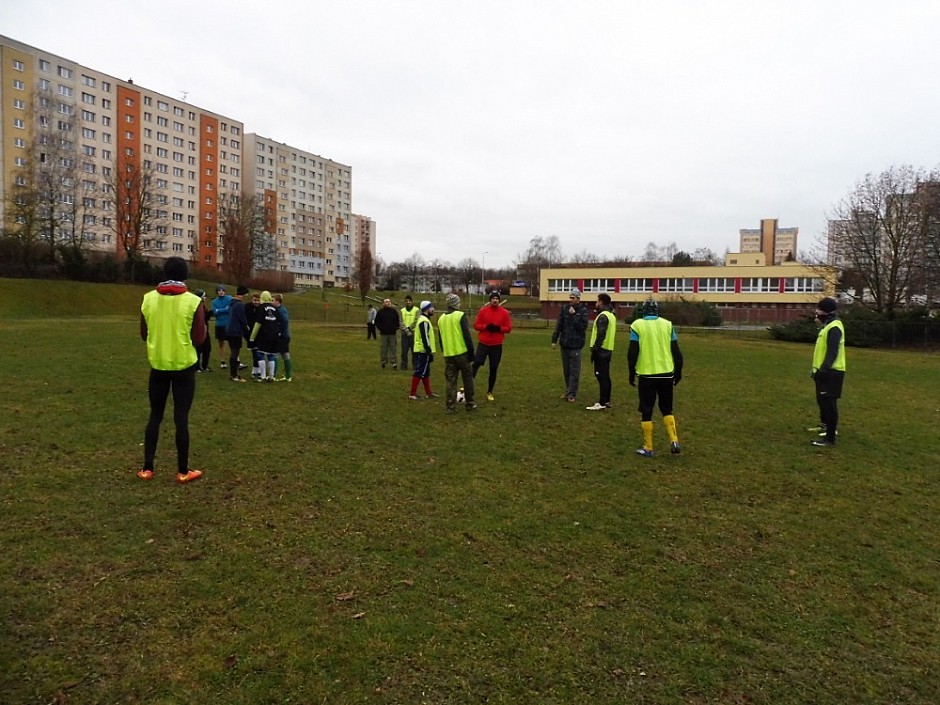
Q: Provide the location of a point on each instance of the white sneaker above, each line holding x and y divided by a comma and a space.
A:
597, 407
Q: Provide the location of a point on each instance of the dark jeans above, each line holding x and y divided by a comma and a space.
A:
234, 348
205, 352
571, 367
407, 350
183, 385
455, 366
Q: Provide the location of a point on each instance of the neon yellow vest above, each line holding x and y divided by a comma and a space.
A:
452, 342
169, 322
655, 336
410, 318
419, 344
819, 353
608, 342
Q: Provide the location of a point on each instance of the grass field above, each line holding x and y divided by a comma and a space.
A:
347, 545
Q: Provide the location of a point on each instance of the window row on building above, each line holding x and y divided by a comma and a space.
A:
689, 285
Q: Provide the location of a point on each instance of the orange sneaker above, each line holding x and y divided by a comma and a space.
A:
189, 476
145, 474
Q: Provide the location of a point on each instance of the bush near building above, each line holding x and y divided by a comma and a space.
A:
864, 328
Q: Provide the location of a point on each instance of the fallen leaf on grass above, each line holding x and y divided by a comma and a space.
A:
359, 615
346, 596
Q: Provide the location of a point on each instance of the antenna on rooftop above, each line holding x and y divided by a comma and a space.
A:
185, 93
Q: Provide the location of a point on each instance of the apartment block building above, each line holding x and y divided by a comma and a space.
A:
778, 244
111, 147
124, 158
363, 229
310, 198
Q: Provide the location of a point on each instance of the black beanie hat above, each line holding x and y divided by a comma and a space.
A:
175, 268
828, 305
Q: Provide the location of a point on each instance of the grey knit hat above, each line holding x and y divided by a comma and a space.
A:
453, 301
576, 293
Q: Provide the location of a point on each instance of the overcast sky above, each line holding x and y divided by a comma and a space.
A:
473, 127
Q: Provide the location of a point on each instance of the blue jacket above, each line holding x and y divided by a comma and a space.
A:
237, 320
220, 310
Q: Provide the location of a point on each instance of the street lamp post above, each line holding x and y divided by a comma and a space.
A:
482, 274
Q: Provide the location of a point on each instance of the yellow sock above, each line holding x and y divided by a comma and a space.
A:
670, 422
647, 427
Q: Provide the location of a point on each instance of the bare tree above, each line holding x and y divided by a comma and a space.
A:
244, 243
134, 197
542, 252
656, 253
878, 236
414, 266
584, 257
466, 274
364, 272
705, 254
25, 223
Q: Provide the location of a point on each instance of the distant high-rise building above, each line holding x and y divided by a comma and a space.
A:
134, 171
363, 228
777, 244
310, 198
114, 167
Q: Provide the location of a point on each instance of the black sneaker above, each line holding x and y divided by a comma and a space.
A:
674, 448
822, 443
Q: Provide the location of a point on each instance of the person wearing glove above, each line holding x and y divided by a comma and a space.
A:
492, 324
423, 351
828, 370
655, 365
457, 349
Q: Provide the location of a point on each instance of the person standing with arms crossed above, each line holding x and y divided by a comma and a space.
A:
602, 349
173, 324
655, 358
492, 324
570, 332
828, 369
457, 349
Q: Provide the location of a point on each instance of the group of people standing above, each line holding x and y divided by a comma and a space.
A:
654, 360
419, 343
654, 363
174, 325
262, 324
